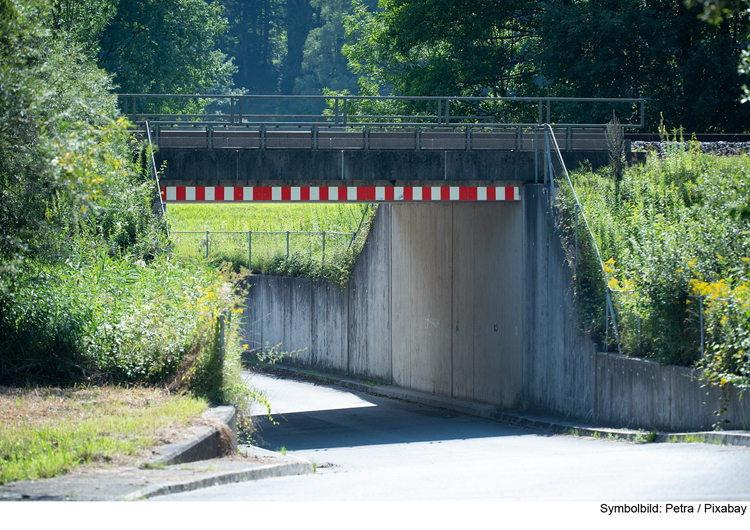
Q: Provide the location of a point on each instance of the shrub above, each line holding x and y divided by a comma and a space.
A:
667, 236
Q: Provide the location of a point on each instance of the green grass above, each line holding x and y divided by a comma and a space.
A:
265, 217
45, 432
300, 253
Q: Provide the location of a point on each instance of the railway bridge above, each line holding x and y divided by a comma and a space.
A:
463, 288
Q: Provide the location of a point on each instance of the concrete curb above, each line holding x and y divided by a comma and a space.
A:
286, 466
522, 419
200, 462
208, 443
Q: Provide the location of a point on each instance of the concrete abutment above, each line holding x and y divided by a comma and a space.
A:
474, 301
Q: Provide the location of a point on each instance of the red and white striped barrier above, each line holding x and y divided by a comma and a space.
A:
339, 193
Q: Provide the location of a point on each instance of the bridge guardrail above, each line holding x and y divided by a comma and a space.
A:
348, 110
464, 137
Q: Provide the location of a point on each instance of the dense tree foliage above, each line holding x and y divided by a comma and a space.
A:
445, 47
87, 289
288, 46
658, 49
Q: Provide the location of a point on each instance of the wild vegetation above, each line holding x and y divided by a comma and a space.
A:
674, 245
89, 291
345, 225
49, 431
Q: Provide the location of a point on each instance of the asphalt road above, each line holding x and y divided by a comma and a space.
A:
376, 449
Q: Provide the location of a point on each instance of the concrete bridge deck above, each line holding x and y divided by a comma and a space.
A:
429, 148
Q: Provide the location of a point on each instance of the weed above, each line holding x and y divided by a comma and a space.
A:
283, 450
53, 430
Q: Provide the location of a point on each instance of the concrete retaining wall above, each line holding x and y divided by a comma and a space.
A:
474, 301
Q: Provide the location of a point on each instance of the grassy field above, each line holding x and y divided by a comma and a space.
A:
265, 217
46, 432
305, 251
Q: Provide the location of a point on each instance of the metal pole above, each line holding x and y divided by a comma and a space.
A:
221, 332
249, 250
206, 244
323, 257
231, 111
606, 321
548, 112
336, 111
287, 244
239, 110
700, 311
536, 156
576, 210
540, 113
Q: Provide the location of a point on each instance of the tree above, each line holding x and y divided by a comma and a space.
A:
655, 48
443, 47
166, 46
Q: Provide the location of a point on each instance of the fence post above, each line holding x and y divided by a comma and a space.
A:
206, 244
323, 257
287, 244
221, 330
606, 321
249, 250
700, 312
576, 210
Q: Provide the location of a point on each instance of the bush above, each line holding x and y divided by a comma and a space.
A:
668, 236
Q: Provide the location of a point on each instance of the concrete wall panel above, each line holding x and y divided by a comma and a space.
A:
559, 363
421, 296
369, 304
498, 301
329, 328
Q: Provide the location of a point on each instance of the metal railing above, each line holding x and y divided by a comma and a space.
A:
347, 110
555, 167
260, 245
155, 174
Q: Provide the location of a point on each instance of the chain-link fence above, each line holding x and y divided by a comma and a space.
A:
255, 250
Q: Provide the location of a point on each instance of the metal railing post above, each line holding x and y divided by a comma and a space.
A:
249, 250
336, 111
239, 110
263, 136
700, 312
323, 257
468, 137
519, 140
206, 244
287, 244
606, 321
231, 111
576, 247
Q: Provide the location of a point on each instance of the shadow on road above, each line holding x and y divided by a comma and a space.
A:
387, 422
